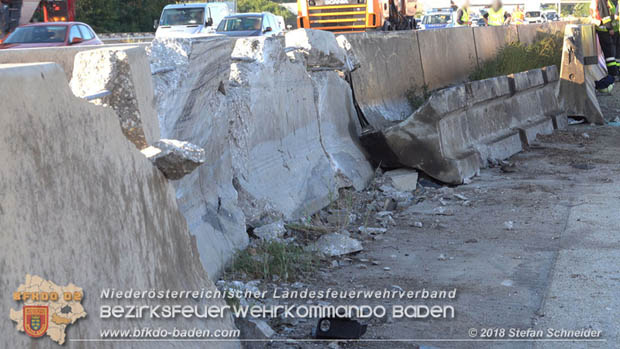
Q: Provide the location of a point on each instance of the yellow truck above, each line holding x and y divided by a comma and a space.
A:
345, 16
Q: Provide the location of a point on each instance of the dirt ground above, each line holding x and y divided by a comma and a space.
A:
535, 245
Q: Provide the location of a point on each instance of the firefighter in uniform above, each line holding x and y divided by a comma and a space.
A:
462, 15
497, 15
615, 24
602, 14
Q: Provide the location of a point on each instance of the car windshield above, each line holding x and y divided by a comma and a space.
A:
38, 34
233, 24
436, 19
532, 14
183, 16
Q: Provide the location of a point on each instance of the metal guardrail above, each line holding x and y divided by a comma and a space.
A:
128, 39
97, 95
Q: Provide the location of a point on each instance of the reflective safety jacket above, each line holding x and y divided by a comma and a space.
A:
497, 18
462, 17
601, 14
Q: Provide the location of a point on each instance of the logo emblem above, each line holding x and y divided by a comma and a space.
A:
35, 320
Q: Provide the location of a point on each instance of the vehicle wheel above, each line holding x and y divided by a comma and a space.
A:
387, 26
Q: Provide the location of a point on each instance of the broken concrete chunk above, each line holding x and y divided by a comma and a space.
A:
372, 231
175, 159
125, 73
271, 232
337, 244
403, 179
320, 47
254, 329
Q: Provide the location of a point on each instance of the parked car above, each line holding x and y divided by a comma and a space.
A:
51, 34
533, 17
250, 24
191, 18
480, 22
550, 16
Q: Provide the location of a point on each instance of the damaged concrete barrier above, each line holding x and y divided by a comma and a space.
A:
393, 67
189, 77
293, 129
80, 204
281, 130
125, 73
462, 128
580, 70
389, 66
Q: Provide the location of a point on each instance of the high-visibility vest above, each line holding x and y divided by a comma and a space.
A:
614, 12
496, 18
600, 20
519, 17
464, 18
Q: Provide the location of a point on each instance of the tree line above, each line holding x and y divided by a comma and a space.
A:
125, 16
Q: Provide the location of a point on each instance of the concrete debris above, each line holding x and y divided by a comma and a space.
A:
337, 244
418, 224
254, 329
443, 211
390, 205
271, 232
461, 197
125, 73
334, 345
372, 231
509, 225
319, 47
341, 217
507, 283
403, 179
442, 257
175, 159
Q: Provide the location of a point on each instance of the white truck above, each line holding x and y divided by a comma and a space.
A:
189, 19
533, 12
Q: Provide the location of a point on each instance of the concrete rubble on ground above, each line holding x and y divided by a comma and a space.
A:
403, 179
114, 222
336, 244
281, 138
271, 232
123, 72
175, 159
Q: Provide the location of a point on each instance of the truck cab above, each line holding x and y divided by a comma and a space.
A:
189, 19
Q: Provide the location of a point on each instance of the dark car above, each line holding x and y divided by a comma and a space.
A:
480, 22
51, 34
250, 24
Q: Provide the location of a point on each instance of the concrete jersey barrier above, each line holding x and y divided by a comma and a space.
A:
395, 66
82, 205
580, 70
462, 128
278, 125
